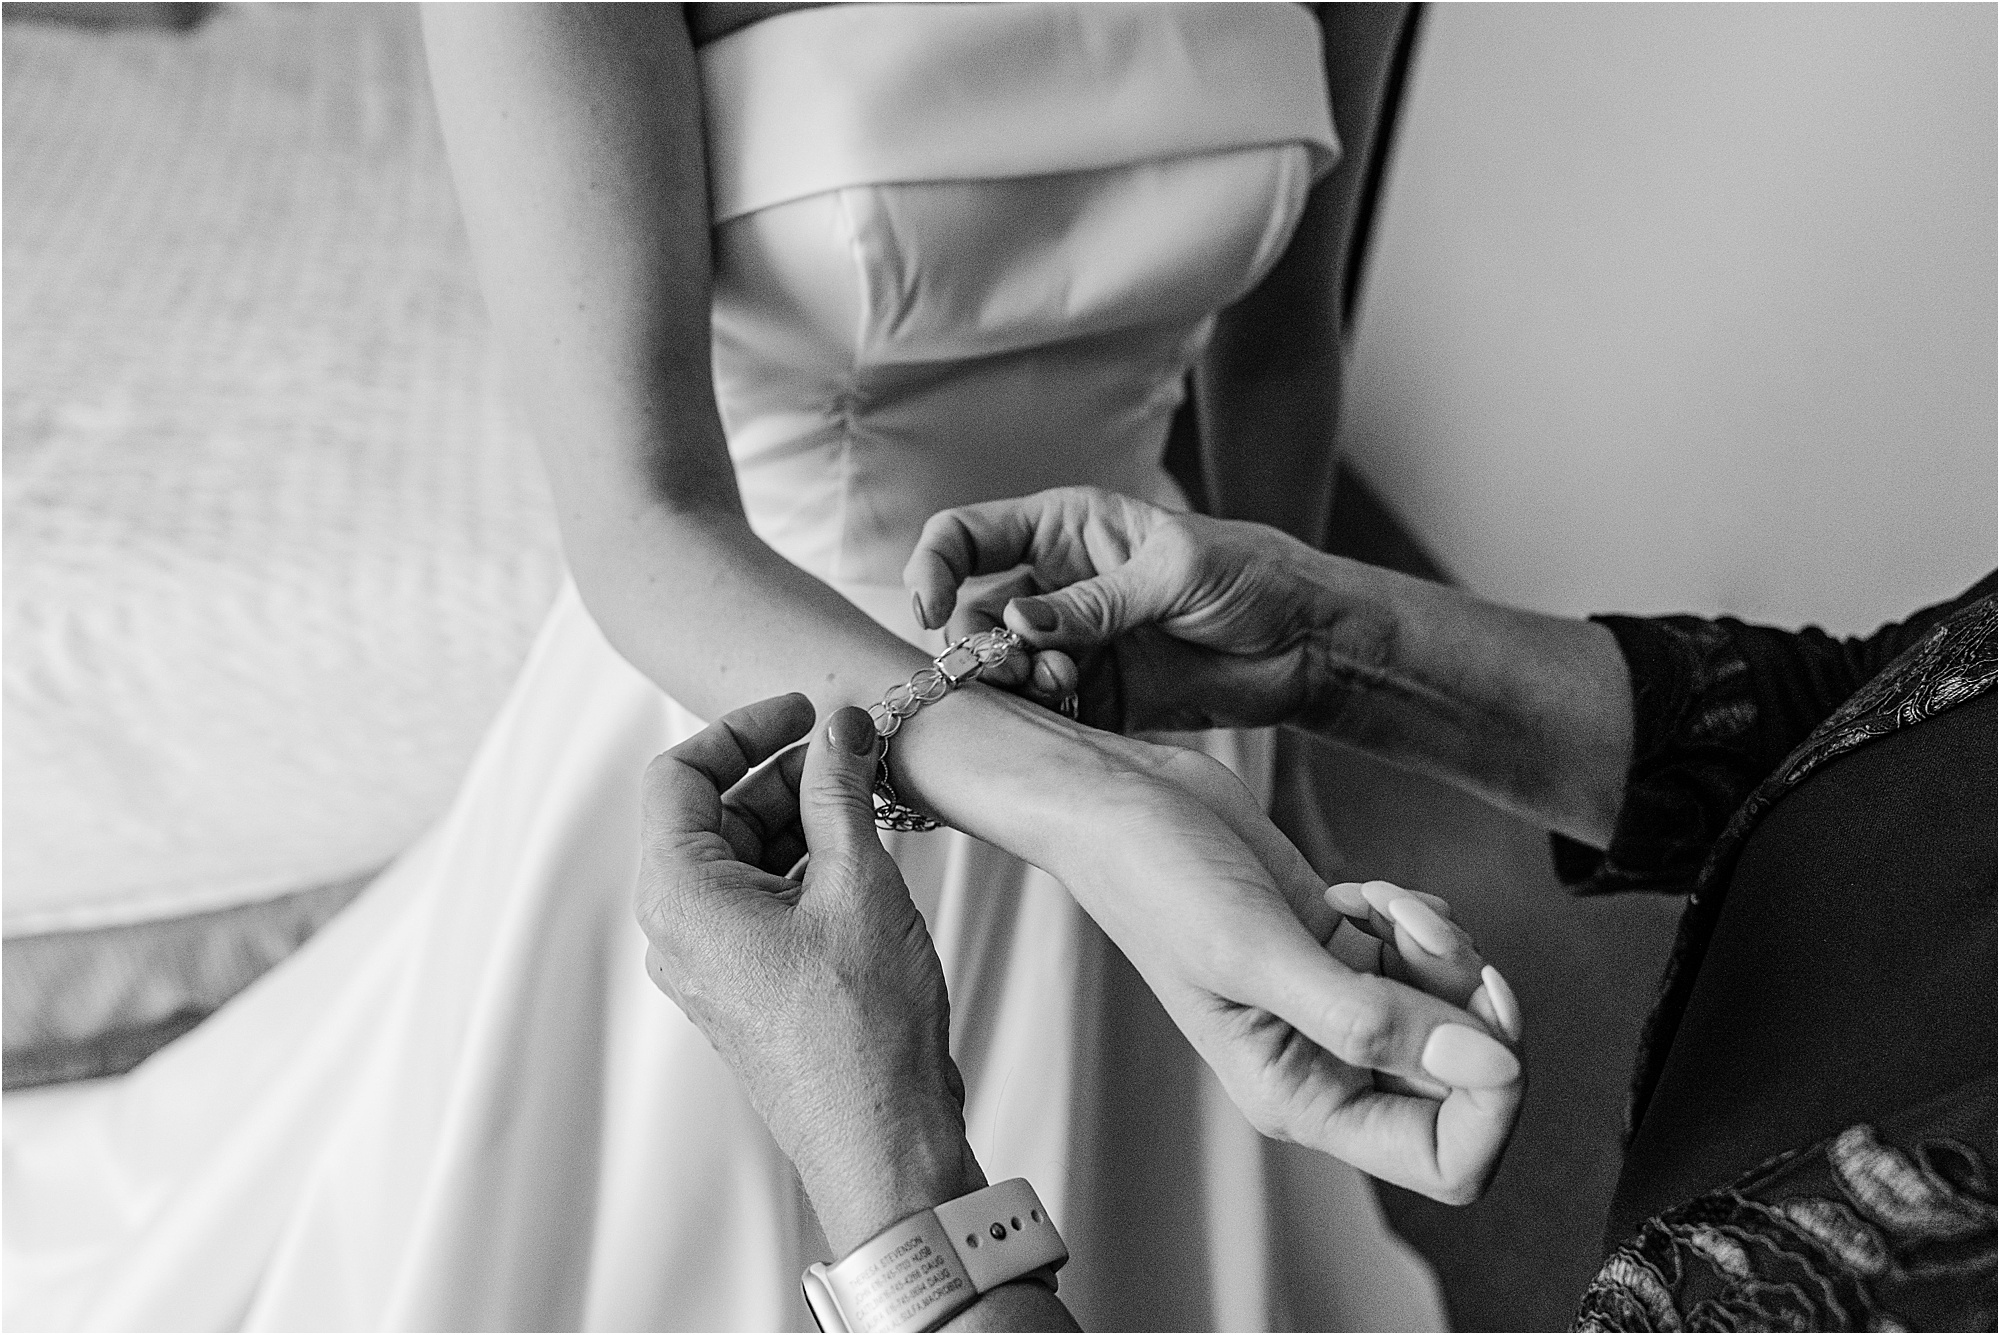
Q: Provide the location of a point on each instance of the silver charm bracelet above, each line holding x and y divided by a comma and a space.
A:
962, 661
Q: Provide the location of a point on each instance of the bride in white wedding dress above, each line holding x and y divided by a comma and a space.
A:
771, 300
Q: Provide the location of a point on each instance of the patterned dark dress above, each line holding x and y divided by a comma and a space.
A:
1811, 1134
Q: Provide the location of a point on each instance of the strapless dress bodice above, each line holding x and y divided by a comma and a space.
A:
932, 289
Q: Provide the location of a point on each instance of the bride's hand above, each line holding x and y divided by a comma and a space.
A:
1364, 1030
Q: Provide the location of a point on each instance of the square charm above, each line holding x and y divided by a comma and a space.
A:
958, 662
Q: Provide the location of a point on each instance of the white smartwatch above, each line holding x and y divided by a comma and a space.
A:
925, 1270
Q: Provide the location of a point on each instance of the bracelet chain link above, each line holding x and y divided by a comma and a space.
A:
962, 661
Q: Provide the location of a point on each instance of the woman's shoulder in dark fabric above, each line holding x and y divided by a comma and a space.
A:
1950, 661
1885, 1226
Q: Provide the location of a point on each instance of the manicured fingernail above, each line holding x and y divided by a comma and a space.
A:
917, 606
1039, 616
852, 731
1467, 1059
1346, 896
1506, 1007
1421, 921
1381, 894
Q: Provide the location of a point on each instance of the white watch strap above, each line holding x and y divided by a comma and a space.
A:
905, 1278
920, 1273
1002, 1233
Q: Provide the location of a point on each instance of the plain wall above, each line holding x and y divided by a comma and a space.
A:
1691, 307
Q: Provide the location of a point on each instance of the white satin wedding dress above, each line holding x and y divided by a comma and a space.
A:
962, 252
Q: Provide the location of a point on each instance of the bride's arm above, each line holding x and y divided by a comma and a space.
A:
575, 136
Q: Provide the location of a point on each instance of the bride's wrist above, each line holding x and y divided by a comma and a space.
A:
997, 767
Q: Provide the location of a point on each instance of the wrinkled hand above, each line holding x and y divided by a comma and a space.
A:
1155, 619
1377, 1047
817, 984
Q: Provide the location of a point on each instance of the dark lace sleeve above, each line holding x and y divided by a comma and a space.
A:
1717, 705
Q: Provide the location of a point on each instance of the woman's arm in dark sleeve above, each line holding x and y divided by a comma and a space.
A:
1717, 706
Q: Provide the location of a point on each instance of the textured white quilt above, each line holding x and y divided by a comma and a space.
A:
275, 543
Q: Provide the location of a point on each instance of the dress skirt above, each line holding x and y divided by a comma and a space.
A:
463, 1105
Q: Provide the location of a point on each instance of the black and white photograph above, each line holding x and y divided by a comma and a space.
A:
999, 666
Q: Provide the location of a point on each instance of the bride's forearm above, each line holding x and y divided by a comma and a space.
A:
717, 619
575, 135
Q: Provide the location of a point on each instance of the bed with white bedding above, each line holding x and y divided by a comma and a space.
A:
275, 540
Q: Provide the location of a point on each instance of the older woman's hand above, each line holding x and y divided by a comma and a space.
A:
818, 983
1164, 620
1180, 621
